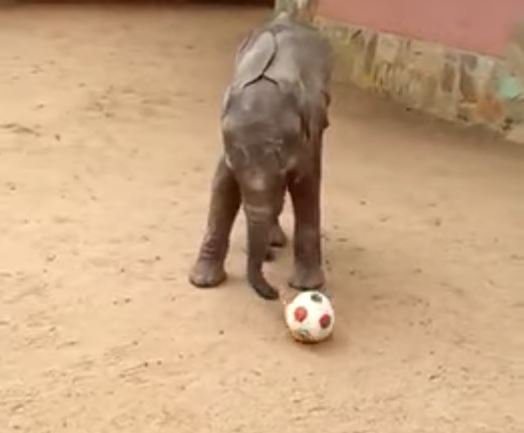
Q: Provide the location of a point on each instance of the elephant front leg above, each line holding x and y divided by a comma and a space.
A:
208, 271
305, 195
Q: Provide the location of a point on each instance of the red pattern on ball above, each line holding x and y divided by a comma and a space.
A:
300, 314
325, 321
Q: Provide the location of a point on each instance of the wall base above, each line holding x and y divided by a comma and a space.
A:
449, 83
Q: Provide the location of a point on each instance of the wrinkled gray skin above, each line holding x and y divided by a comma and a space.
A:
274, 116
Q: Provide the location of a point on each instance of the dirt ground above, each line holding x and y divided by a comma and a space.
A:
108, 139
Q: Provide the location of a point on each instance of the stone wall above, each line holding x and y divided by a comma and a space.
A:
456, 85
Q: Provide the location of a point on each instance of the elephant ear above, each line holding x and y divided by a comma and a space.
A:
302, 67
285, 68
254, 59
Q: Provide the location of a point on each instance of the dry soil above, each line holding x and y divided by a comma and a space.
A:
108, 139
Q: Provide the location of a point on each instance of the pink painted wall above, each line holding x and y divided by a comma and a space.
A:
477, 25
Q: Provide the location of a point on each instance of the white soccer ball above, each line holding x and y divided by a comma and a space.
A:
310, 317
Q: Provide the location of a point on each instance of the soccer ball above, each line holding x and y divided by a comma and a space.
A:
310, 317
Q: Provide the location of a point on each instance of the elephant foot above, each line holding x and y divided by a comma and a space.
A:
270, 255
307, 278
207, 273
277, 237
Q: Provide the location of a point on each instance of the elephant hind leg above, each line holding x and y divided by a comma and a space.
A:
277, 237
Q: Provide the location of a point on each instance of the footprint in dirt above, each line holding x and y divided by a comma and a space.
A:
17, 128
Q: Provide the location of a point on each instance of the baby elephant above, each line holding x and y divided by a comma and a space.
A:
273, 119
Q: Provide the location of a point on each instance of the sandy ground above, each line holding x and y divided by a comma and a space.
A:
108, 139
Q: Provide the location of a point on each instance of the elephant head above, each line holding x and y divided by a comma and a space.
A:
261, 134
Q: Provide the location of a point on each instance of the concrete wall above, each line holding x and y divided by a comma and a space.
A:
483, 26
461, 60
